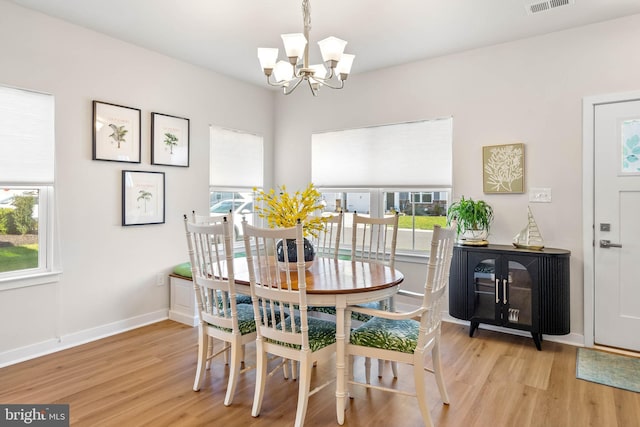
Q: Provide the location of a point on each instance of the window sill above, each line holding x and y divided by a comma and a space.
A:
37, 279
416, 257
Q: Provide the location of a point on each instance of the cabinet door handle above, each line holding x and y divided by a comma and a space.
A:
497, 289
504, 290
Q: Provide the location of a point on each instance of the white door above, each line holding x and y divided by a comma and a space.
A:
617, 224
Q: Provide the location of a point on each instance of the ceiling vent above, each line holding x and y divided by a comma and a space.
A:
544, 6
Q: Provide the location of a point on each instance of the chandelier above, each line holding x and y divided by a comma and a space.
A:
289, 74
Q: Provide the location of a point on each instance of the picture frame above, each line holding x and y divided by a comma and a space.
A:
116, 133
169, 140
503, 168
143, 197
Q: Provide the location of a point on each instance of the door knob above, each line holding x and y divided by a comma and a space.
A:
607, 244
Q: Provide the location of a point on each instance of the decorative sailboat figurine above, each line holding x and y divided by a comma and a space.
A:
529, 237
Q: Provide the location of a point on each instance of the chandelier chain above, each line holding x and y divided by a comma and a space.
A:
306, 14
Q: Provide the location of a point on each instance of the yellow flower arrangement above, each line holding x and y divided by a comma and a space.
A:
284, 210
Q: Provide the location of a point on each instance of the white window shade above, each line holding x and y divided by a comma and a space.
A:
236, 159
404, 154
27, 137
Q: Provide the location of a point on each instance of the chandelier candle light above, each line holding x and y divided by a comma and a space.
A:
289, 74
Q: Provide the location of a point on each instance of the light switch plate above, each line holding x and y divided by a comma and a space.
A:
540, 195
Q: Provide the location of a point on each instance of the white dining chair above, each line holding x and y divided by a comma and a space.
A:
279, 288
407, 337
374, 239
327, 242
221, 317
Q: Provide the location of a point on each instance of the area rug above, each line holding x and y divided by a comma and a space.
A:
609, 369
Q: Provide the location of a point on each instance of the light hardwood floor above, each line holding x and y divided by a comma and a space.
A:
144, 377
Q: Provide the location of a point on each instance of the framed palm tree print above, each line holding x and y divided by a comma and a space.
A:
116, 133
169, 140
142, 197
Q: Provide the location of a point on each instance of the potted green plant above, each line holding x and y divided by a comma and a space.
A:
473, 220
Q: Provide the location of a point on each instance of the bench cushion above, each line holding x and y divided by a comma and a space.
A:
183, 269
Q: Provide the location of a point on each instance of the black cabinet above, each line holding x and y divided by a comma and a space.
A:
514, 288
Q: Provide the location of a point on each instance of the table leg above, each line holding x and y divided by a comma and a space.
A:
341, 394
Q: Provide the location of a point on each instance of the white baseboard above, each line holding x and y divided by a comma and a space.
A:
78, 338
183, 318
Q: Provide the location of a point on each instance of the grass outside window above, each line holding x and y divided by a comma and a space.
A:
14, 258
421, 222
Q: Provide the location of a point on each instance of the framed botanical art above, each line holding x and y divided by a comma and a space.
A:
142, 197
169, 140
116, 133
503, 168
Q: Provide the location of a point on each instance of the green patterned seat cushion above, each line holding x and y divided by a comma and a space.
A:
183, 270
397, 335
243, 299
240, 299
321, 333
246, 322
354, 315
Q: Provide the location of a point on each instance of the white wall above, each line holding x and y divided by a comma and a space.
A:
109, 271
526, 91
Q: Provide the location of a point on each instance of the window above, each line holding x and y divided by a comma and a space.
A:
235, 168
26, 183
404, 168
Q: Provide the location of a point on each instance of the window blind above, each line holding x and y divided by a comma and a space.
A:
236, 159
405, 154
27, 137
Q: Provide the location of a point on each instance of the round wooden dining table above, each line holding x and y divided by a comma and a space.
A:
338, 283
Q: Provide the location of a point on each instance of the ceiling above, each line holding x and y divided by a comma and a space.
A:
223, 35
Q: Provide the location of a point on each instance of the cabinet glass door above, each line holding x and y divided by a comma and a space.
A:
484, 289
518, 300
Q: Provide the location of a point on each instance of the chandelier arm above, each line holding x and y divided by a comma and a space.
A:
313, 91
291, 88
329, 83
331, 73
281, 83
276, 83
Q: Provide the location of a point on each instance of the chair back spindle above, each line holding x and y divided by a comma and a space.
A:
374, 239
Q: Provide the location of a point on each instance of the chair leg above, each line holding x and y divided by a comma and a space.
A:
421, 392
285, 368
367, 370
304, 383
388, 305
437, 370
203, 352
261, 379
350, 375
209, 352
234, 372
294, 370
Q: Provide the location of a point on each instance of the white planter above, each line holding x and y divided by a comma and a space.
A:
474, 237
